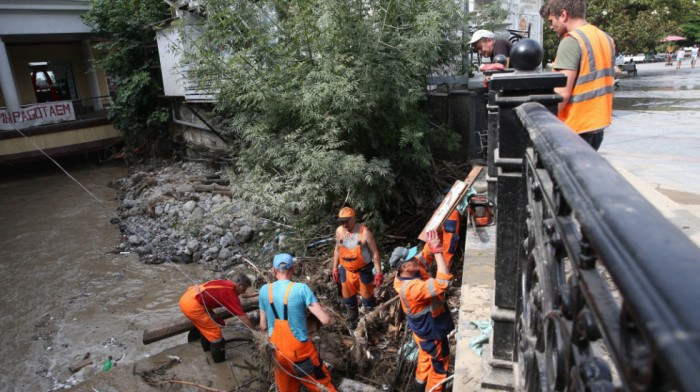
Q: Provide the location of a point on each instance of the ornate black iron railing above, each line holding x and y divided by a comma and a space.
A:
576, 330
594, 289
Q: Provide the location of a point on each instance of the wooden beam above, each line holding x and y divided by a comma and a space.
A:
79, 365
456, 193
161, 332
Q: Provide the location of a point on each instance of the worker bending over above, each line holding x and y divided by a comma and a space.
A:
198, 304
423, 302
283, 315
354, 256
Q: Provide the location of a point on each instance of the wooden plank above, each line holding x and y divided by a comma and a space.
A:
161, 332
79, 366
448, 204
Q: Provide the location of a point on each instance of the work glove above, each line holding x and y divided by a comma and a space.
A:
336, 275
378, 279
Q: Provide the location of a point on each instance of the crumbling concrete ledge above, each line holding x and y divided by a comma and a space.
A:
475, 304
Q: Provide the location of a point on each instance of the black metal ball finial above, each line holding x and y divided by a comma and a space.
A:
526, 55
501, 59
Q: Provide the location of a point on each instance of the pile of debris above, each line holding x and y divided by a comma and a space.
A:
184, 213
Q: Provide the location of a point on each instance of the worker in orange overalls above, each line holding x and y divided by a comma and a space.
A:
449, 234
354, 257
423, 302
198, 304
283, 307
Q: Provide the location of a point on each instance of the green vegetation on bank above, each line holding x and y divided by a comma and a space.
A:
127, 55
324, 99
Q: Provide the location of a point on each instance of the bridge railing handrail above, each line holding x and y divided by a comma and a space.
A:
655, 266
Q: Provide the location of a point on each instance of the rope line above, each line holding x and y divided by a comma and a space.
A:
312, 381
62, 169
442, 382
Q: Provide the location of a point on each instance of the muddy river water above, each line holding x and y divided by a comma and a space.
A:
65, 293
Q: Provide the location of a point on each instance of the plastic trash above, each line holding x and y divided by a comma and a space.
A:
477, 343
108, 364
411, 350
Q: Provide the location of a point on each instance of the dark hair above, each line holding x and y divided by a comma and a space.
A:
242, 280
575, 8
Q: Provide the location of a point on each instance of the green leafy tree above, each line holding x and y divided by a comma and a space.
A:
637, 26
129, 29
324, 98
550, 43
490, 16
691, 31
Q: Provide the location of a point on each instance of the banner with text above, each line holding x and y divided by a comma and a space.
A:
39, 114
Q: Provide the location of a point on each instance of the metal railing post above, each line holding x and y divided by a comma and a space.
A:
508, 140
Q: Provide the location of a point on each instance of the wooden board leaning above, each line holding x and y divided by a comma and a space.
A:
448, 204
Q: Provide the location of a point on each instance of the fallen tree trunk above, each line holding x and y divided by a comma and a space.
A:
211, 188
155, 334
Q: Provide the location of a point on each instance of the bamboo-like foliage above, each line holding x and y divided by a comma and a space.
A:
324, 97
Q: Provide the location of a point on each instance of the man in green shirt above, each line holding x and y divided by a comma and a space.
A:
586, 56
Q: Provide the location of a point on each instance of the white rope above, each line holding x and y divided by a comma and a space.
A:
441, 382
311, 381
62, 169
206, 309
183, 272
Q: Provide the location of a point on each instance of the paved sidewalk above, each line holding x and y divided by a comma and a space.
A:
654, 140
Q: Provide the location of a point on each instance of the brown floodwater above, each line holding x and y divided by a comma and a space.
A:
66, 295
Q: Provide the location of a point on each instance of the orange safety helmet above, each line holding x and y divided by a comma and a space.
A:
346, 213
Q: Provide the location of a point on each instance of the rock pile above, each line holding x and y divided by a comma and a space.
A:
182, 213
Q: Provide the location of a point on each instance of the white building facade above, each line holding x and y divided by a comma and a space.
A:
47, 78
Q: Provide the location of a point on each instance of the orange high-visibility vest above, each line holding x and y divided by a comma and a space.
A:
352, 258
590, 104
425, 306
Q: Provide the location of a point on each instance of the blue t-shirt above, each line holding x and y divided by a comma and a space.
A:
300, 297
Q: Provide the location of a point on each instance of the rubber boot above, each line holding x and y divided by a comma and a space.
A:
218, 351
206, 345
353, 317
193, 335
418, 386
